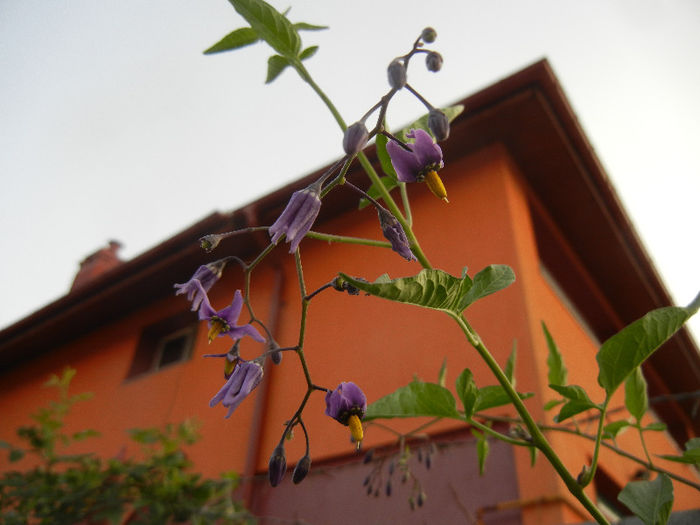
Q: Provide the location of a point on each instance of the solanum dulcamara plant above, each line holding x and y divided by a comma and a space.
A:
412, 156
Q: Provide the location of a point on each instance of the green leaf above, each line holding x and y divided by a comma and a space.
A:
611, 430
482, 450
308, 52
270, 25
451, 113
303, 26
467, 391
241, 37
275, 65
85, 434
655, 427
549, 405
489, 280
16, 454
374, 191
431, 288
555, 362
632, 345
691, 454
442, 374
651, 501
390, 181
578, 401
492, 396
414, 400
636, 399
509, 370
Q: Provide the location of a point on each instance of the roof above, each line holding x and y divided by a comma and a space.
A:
526, 112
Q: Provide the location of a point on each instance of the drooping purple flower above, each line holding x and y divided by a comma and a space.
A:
421, 163
245, 377
394, 232
298, 217
347, 405
223, 322
414, 165
206, 275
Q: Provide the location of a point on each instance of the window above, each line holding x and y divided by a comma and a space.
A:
164, 343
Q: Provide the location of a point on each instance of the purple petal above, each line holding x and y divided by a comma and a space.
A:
405, 162
425, 150
238, 332
205, 309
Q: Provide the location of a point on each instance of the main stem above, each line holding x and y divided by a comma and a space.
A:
538, 438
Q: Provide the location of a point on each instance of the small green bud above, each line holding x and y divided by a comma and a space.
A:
397, 74
428, 35
355, 138
433, 61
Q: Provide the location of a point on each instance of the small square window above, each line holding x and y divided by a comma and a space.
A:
163, 344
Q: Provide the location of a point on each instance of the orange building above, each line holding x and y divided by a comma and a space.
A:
525, 189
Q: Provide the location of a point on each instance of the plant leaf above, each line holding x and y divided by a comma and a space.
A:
413, 400
691, 454
578, 401
373, 190
275, 65
492, 396
611, 430
636, 399
467, 391
308, 52
241, 37
631, 346
442, 374
482, 450
303, 26
270, 25
489, 280
509, 370
555, 362
655, 427
651, 501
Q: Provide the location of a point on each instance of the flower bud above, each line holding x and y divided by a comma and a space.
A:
428, 35
210, 242
421, 499
277, 466
439, 124
355, 138
397, 74
301, 470
433, 61
274, 353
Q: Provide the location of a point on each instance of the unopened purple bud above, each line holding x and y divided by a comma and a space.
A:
301, 470
393, 231
428, 35
439, 124
397, 74
274, 353
355, 138
277, 466
433, 61
421, 499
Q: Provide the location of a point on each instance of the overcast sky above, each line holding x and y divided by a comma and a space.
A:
114, 125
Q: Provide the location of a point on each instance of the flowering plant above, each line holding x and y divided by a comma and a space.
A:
407, 157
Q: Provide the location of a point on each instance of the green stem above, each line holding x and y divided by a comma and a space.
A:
488, 430
538, 438
598, 440
406, 204
644, 444
347, 240
302, 324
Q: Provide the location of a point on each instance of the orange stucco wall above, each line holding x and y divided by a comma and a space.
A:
376, 344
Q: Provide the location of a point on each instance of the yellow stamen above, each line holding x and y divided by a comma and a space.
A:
356, 429
217, 326
432, 179
230, 366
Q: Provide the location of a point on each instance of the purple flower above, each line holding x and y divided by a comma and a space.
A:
223, 322
298, 217
421, 163
393, 231
206, 276
347, 405
245, 377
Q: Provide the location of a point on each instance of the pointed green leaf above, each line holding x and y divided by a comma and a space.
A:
651, 501
555, 362
467, 391
270, 25
413, 400
691, 454
489, 280
492, 396
482, 450
509, 370
275, 66
612, 430
632, 345
578, 401
636, 399
390, 181
16, 454
431, 288
308, 52
442, 374
655, 427
549, 405
303, 26
241, 37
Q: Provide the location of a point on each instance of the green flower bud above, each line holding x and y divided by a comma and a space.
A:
428, 35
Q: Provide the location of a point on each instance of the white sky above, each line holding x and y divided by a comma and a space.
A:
113, 125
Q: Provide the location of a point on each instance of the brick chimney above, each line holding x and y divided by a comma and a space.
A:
96, 264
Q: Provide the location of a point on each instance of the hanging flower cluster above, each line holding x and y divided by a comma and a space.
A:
416, 161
